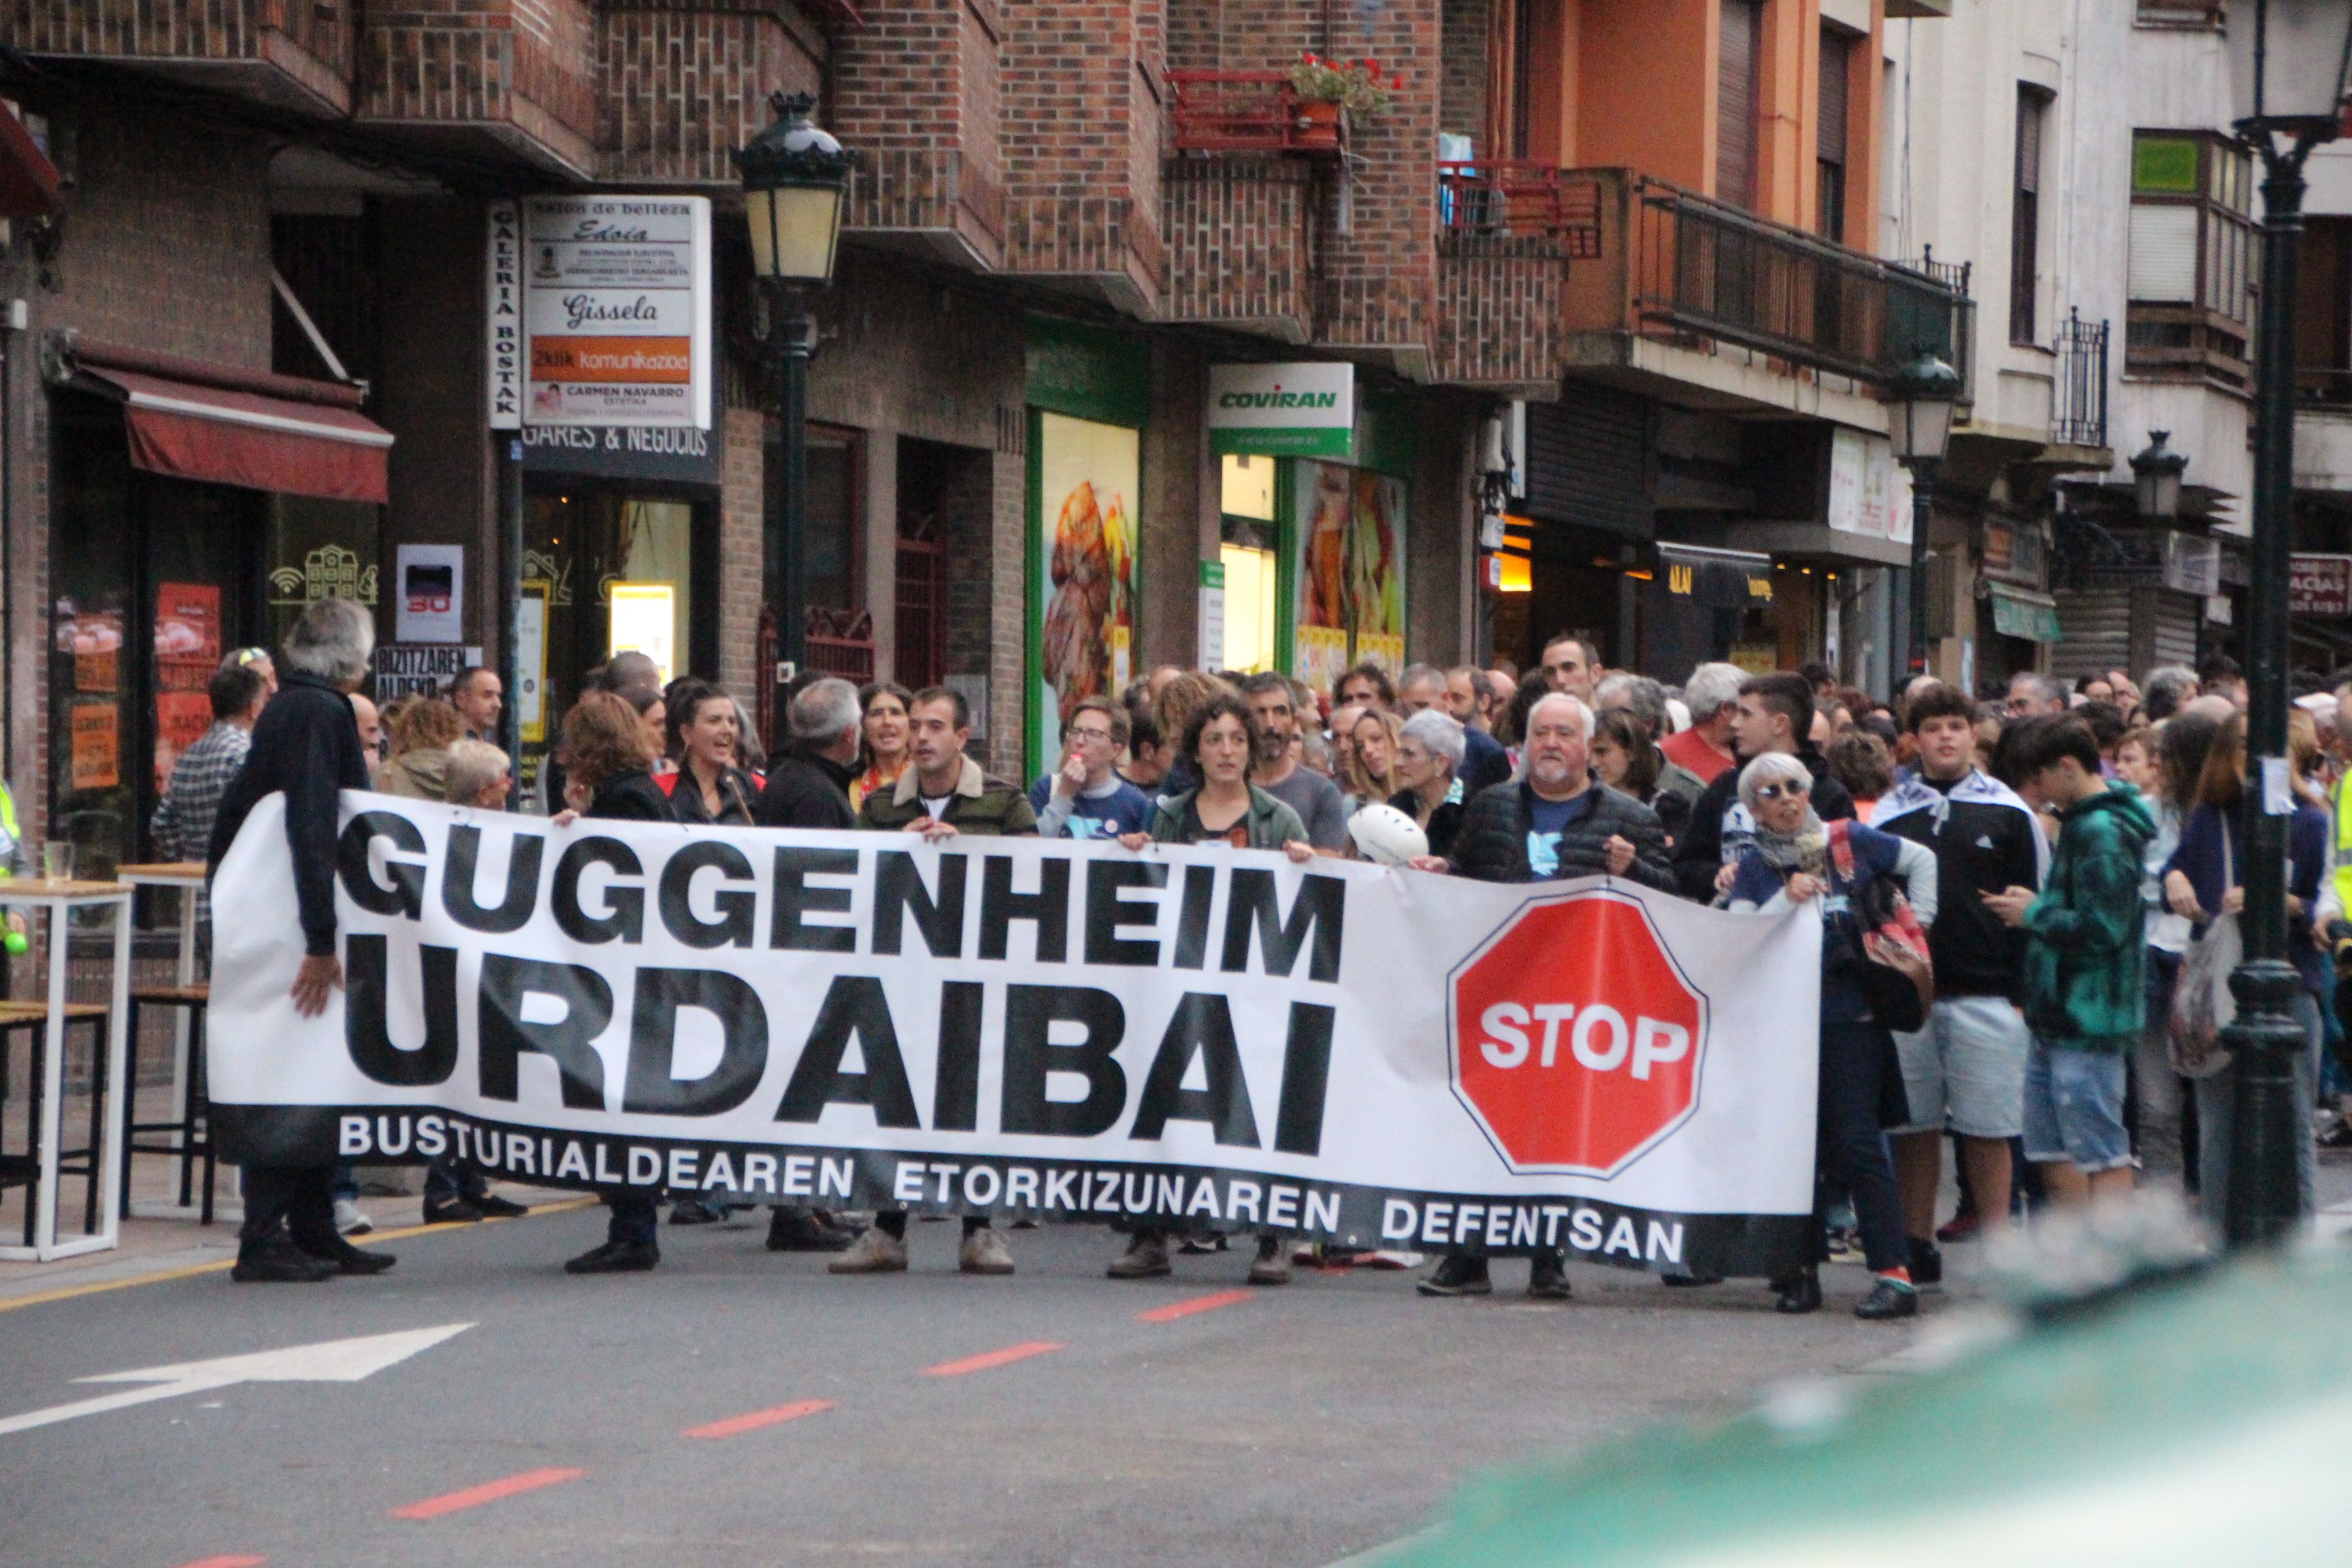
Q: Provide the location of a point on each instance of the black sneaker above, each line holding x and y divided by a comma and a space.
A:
1690, 1281
1458, 1274
281, 1263
1887, 1299
1927, 1262
1799, 1291
345, 1259
492, 1206
694, 1211
1548, 1277
457, 1211
796, 1230
616, 1257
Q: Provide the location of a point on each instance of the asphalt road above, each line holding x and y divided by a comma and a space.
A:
1289, 1428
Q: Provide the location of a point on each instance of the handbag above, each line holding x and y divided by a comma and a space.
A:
2202, 1005
1885, 920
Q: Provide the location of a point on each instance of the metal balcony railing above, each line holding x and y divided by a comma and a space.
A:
1245, 112
2078, 397
1705, 269
1513, 198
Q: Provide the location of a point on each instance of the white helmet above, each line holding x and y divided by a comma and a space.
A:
1387, 836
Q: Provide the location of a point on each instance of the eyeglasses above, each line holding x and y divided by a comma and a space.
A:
1090, 735
1775, 791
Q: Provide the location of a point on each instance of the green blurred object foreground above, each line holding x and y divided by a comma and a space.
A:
2205, 1420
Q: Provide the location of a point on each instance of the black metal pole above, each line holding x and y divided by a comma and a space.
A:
1923, 513
510, 602
792, 339
2264, 1199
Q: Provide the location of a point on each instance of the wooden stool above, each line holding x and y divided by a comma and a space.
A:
25, 1170
195, 1110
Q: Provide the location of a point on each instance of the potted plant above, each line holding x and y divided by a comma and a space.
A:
1330, 91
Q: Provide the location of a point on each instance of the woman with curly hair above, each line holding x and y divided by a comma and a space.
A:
420, 734
888, 735
1178, 703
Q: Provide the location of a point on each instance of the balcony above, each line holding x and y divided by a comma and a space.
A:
2078, 413
1247, 112
1674, 268
1244, 236
512, 78
1506, 233
288, 54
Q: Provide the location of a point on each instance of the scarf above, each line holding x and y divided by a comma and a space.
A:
1807, 849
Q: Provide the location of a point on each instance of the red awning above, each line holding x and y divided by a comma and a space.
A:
228, 427
28, 181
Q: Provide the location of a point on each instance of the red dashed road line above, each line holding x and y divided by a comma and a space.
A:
735, 1425
1175, 1309
1004, 1357
489, 1492
225, 1562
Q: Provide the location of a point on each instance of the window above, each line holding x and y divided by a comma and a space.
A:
2026, 214
1246, 548
1830, 144
1738, 87
2190, 290
2323, 312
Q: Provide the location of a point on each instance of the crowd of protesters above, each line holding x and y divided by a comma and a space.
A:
2028, 904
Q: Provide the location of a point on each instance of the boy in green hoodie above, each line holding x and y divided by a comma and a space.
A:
2083, 992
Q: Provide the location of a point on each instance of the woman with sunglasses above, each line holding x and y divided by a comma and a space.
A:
1792, 862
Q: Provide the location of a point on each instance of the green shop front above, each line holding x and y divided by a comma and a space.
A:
1087, 397
1313, 499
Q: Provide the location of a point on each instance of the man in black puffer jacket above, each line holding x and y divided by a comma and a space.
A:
1555, 820
1775, 714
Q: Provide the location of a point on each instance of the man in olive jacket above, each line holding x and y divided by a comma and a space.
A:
942, 795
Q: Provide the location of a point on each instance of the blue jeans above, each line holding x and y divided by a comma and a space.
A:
2075, 1108
1850, 1151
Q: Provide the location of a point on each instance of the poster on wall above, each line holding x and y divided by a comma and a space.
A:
617, 305
1349, 529
431, 603
97, 745
1084, 573
187, 651
531, 661
644, 620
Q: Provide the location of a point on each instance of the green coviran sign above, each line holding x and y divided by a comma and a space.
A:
1300, 410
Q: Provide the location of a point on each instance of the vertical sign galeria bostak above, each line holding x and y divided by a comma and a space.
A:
503, 312
616, 292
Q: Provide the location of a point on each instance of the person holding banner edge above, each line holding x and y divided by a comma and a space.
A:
1226, 808
1794, 858
306, 746
611, 754
1554, 820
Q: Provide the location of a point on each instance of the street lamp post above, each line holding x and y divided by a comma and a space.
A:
1919, 427
795, 183
2288, 60
2156, 478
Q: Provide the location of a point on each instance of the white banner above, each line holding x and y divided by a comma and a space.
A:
1044, 1028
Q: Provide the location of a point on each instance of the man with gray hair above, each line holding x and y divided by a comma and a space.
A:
2171, 687
808, 781
2032, 696
1705, 749
306, 746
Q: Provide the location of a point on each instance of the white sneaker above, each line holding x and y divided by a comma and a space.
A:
874, 1252
349, 1220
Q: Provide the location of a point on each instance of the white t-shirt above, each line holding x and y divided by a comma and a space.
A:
935, 806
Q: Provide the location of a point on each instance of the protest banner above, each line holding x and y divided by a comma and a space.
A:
1044, 1029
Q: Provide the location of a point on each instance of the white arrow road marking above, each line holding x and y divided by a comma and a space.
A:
334, 1361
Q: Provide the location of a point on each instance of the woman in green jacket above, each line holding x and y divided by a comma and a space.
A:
1225, 809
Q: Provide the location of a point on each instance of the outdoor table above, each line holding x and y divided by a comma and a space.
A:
57, 899
189, 877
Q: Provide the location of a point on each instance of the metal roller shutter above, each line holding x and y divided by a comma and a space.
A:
2096, 624
2175, 621
1589, 461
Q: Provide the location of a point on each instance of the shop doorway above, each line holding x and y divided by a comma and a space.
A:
618, 567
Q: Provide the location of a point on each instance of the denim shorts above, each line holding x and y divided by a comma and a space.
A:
2074, 1107
1967, 1069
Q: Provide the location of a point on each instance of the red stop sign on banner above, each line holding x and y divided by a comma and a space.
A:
1576, 1041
